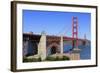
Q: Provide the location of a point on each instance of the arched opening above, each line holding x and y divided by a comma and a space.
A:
53, 50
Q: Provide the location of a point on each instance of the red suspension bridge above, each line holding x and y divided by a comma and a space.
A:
41, 44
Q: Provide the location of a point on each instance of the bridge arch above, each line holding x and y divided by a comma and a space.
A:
53, 48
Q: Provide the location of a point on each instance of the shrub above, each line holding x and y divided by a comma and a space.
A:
57, 58
39, 59
50, 58
66, 58
32, 59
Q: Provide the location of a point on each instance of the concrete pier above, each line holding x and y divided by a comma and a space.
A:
42, 46
75, 55
61, 44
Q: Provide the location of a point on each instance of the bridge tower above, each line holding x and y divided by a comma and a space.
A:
75, 55
74, 32
84, 42
84, 36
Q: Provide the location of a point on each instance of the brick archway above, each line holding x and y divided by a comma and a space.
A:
54, 48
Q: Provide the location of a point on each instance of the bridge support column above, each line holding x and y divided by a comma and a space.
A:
42, 46
61, 43
75, 55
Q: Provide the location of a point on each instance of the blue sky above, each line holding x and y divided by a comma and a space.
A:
56, 23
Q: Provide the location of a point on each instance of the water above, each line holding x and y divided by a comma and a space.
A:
85, 52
